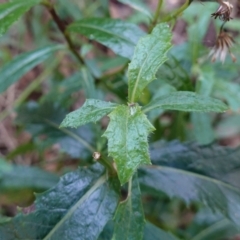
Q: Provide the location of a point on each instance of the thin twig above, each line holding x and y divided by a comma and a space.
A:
62, 27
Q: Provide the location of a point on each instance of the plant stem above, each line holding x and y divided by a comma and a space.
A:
62, 27
156, 15
177, 12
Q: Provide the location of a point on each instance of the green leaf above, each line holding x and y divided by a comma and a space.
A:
209, 160
91, 111
188, 102
14, 70
118, 35
139, 6
12, 11
152, 232
18, 183
193, 187
44, 119
229, 91
77, 208
202, 127
127, 135
207, 225
149, 55
129, 217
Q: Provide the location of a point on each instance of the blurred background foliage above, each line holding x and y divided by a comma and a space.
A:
32, 109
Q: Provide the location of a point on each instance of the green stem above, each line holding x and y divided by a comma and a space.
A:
156, 15
176, 13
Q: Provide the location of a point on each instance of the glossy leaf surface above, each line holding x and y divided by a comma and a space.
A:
78, 207
91, 111
149, 55
118, 35
127, 135
188, 102
129, 217
193, 187
14, 70
12, 11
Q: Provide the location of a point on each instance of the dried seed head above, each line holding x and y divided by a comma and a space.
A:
224, 11
222, 47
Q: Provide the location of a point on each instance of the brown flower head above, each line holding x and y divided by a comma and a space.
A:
222, 47
224, 11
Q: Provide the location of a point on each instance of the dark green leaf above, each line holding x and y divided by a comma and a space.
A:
77, 208
91, 111
208, 225
18, 183
149, 55
152, 232
188, 102
42, 120
118, 35
14, 70
129, 217
127, 135
11, 12
210, 160
193, 187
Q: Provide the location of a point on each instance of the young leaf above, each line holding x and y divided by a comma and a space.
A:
129, 217
17, 183
12, 11
188, 102
118, 35
77, 208
149, 55
127, 135
14, 70
91, 111
193, 187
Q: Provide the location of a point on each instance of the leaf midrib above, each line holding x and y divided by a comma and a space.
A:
102, 30
97, 184
206, 178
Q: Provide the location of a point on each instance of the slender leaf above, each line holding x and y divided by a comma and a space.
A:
139, 6
18, 183
188, 102
14, 70
118, 35
155, 233
91, 111
127, 135
44, 119
77, 208
208, 225
213, 193
12, 11
129, 217
149, 55
211, 160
